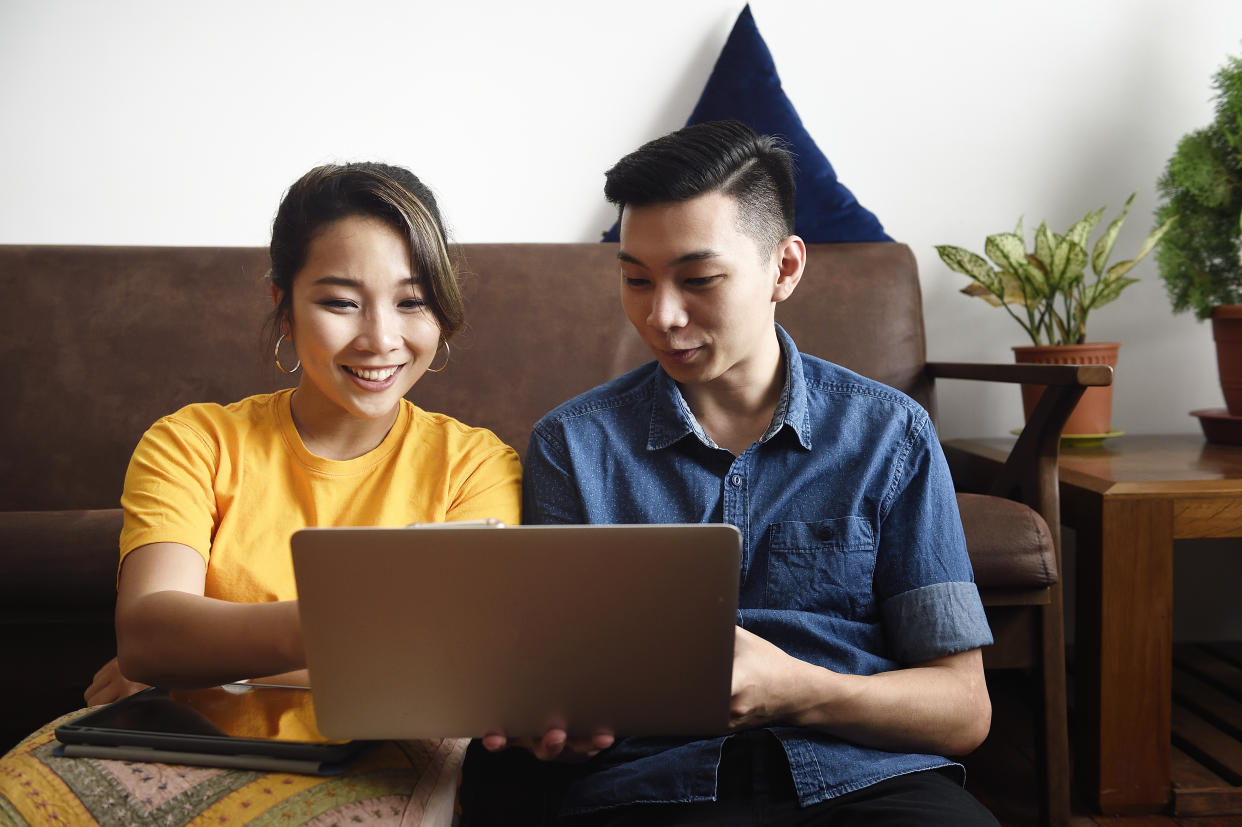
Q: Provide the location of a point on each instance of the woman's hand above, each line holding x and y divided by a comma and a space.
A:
110, 685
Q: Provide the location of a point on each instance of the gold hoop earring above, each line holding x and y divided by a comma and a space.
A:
294, 369
447, 352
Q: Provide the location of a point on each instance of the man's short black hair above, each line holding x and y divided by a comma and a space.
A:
717, 156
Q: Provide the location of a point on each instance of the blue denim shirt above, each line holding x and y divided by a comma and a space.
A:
853, 556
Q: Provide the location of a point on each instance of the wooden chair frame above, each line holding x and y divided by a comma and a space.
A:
1030, 476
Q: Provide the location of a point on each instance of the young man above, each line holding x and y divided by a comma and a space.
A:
857, 659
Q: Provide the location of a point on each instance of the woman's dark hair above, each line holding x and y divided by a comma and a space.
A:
725, 156
391, 194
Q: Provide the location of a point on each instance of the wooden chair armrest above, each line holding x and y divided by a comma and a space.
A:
1086, 375
1029, 474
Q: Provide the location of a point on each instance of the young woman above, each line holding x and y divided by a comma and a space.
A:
365, 302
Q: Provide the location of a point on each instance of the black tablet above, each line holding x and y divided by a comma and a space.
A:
245, 725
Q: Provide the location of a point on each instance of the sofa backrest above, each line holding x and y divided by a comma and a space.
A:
99, 342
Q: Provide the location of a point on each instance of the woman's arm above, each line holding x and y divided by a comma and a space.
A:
169, 634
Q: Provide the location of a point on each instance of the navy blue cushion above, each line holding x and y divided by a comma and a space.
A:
744, 86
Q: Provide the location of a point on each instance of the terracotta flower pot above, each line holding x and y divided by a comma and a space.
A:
1227, 331
1093, 414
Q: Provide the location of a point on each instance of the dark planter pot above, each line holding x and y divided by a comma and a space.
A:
1227, 331
1093, 414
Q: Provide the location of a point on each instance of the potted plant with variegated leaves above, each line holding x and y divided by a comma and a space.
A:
1047, 291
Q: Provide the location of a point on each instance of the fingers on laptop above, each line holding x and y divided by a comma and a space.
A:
495, 741
555, 744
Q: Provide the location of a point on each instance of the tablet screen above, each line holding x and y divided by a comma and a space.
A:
247, 726
232, 711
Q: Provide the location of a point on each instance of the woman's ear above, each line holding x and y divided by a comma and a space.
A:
790, 262
282, 322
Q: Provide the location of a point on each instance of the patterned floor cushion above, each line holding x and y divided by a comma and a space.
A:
393, 783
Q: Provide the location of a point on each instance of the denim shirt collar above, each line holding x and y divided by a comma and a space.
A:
672, 420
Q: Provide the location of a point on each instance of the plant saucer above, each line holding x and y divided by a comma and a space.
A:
1080, 440
1219, 426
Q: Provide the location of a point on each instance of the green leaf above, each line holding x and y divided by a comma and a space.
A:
1104, 247
1122, 267
967, 263
1105, 291
1118, 270
1154, 238
1080, 231
1037, 264
1044, 245
1068, 262
1008, 251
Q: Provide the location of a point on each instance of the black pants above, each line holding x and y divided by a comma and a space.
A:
756, 788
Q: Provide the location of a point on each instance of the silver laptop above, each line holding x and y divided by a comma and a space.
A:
444, 631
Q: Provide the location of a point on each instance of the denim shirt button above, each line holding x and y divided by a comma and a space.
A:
735, 480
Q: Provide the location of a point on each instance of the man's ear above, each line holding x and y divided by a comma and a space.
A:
790, 256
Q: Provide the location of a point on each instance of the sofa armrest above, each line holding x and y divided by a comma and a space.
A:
59, 562
57, 594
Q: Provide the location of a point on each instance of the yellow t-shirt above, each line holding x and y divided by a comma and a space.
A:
234, 482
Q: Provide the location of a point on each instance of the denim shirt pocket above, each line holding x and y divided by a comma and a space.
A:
825, 567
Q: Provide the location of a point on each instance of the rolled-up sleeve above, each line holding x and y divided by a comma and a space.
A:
937, 620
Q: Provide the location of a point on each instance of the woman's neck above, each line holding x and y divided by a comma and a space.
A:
331, 433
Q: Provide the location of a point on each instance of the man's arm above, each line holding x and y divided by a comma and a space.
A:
936, 702
939, 706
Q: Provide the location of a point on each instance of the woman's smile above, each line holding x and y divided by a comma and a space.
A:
373, 376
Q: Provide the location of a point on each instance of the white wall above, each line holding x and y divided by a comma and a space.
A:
166, 123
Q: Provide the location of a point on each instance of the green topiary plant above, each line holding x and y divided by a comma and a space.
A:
1049, 282
1199, 259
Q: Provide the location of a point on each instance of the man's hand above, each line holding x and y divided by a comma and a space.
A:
764, 681
110, 685
555, 745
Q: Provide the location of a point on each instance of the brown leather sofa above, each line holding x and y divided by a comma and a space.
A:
101, 341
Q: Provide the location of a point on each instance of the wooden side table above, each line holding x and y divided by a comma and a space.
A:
1128, 499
